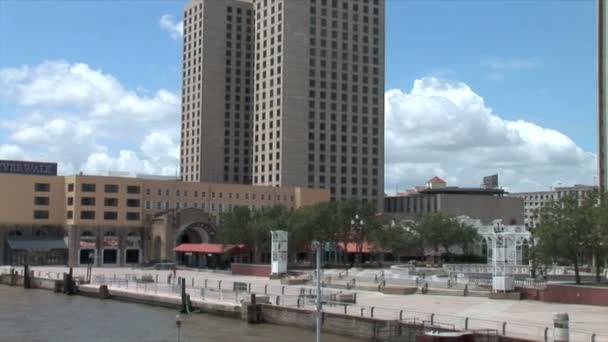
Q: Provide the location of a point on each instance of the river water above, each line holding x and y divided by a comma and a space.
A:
39, 315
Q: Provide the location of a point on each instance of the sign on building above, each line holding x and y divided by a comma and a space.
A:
279, 252
28, 168
490, 182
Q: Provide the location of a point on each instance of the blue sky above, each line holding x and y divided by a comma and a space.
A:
527, 60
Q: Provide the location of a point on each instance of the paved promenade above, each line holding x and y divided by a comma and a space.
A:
482, 312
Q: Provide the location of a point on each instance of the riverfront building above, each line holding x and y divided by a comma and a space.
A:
534, 201
484, 204
285, 93
117, 221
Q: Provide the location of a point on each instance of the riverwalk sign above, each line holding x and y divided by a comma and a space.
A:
28, 168
279, 252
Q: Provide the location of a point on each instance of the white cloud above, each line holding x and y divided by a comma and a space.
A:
175, 29
57, 84
513, 64
88, 121
81, 117
11, 152
444, 128
497, 67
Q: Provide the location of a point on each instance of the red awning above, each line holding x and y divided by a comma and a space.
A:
208, 248
352, 247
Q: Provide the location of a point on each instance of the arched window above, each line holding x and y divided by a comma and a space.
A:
133, 234
15, 233
110, 233
40, 233
86, 233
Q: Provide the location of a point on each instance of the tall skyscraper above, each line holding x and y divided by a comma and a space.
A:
217, 91
317, 88
602, 96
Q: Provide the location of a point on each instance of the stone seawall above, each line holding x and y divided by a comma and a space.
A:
364, 328
352, 326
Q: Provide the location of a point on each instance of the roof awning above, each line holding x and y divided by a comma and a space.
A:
209, 248
366, 248
37, 244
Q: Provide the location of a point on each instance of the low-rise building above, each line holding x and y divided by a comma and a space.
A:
535, 200
116, 221
485, 204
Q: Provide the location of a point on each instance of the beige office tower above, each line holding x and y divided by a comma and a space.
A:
602, 94
315, 88
319, 96
217, 91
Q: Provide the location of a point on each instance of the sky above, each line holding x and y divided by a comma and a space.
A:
473, 88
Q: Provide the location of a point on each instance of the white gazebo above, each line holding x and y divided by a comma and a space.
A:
506, 247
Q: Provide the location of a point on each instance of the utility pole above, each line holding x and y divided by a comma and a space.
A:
602, 93
318, 246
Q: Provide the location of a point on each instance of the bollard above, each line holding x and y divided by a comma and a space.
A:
205, 283
219, 285
362, 309
593, 337
266, 289
355, 298
298, 302
432, 318
345, 309
192, 282
157, 278
561, 329
27, 277
372, 312
466, 323
249, 288
546, 334
504, 328
277, 301
283, 291
400, 315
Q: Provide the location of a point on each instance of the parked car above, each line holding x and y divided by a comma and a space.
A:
164, 266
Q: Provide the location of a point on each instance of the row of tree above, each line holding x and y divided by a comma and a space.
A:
573, 230
331, 222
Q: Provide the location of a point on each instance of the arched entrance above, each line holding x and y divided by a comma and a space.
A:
195, 233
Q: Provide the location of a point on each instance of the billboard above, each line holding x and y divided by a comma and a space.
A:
28, 168
490, 182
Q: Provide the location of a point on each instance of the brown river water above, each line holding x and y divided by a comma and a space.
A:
39, 315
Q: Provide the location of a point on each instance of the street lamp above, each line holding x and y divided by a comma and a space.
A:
178, 324
357, 226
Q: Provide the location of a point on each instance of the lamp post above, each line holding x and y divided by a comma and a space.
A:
357, 225
318, 247
178, 324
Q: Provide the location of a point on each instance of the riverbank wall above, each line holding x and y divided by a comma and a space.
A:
363, 328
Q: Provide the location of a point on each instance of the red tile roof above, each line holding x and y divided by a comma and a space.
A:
435, 180
209, 248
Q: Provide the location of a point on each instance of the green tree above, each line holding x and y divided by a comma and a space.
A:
566, 232
399, 237
438, 230
252, 227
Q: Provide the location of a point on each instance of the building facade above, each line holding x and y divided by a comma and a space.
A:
534, 201
297, 91
485, 205
116, 221
217, 92
602, 93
